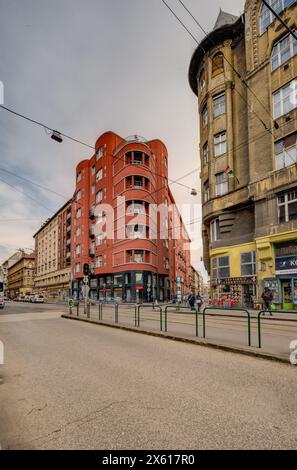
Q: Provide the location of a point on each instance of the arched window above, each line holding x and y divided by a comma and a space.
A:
267, 17
202, 80
217, 64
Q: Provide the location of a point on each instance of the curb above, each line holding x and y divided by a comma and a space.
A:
182, 339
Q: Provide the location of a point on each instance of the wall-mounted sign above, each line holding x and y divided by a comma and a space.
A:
286, 265
229, 281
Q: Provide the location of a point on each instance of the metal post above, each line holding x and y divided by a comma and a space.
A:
161, 322
116, 313
88, 309
135, 319
204, 321
259, 330
196, 321
166, 309
77, 308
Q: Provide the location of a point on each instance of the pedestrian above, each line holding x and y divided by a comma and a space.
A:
267, 297
191, 300
199, 302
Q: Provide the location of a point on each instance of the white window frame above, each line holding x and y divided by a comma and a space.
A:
287, 43
205, 116
78, 213
205, 153
77, 268
99, 174
222, 187
251, 263
79, 176
278, 6
100, 152
285, 156
290, 197
219, 263
285, 95
99, 196
93, 170
215, 232
219, 105
99, 261
206, 191
220, 144
78, 249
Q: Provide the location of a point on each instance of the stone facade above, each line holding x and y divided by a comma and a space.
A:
244, 75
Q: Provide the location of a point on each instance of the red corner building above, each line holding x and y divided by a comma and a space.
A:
137, 248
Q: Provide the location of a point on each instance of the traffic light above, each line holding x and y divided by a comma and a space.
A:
86, 269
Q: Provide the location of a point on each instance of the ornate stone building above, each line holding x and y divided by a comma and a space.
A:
244, 74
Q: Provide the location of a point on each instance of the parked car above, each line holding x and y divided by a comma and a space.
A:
37, 299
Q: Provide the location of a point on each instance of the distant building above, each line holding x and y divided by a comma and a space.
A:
196, 282
8, 264
249, 174
129, 263
20, 276
53, 255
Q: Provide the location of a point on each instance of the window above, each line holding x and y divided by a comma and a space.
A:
138, 277
248, 263
93, 171
267, 17
99, 239
100, 153
220, 144
287, 206
78, 213
202, 80
136, 231
220, 267
93, 189
283, 51
205, 154
219, 105
78, 177
286, 152
215, 233
138, 256
78, 195
217, 64
206, 191
77, 267
138, 158
166, 263
136, 208
117, 280
99, 196
78, 249
221, 184
78, 231
284, 100
99, 174
138, 182
205, 116
99, 261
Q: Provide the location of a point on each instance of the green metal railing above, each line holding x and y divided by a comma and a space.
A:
177, 309
204, 314
137, 314
100, 311
116, 313
260, 316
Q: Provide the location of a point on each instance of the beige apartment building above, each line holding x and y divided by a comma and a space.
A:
244, 74
53, 256
197, 286
20, 276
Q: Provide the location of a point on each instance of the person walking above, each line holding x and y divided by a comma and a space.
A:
267, 297
191, 300
199, 302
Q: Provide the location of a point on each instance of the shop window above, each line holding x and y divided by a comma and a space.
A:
138, 278
217, 64
117, 280
284, 100
283, 50
219, 105
248, 263
287, 206
220, 144
128, 278
267, 17
220, 267
286, 152
215, 233
221, 184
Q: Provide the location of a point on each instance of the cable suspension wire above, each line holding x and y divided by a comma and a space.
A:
293, 33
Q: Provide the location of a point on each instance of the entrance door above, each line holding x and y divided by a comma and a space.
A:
287, 300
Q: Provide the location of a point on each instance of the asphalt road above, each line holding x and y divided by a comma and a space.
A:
72, 385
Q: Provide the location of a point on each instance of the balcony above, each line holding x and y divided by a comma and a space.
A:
92, 254
92, 215
92, 234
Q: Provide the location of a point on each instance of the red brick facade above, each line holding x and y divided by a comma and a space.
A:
124, 242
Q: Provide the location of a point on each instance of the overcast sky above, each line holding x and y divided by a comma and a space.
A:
85, 67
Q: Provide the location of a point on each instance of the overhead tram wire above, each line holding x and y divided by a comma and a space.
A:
267, 129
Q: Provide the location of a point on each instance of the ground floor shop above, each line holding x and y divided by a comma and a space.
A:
128, 286
235, 292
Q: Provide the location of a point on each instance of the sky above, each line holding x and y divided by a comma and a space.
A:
84, 67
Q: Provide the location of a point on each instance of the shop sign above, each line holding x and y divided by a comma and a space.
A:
139, 288
233, 281
286, 265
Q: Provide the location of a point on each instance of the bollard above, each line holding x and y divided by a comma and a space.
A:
77, 309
